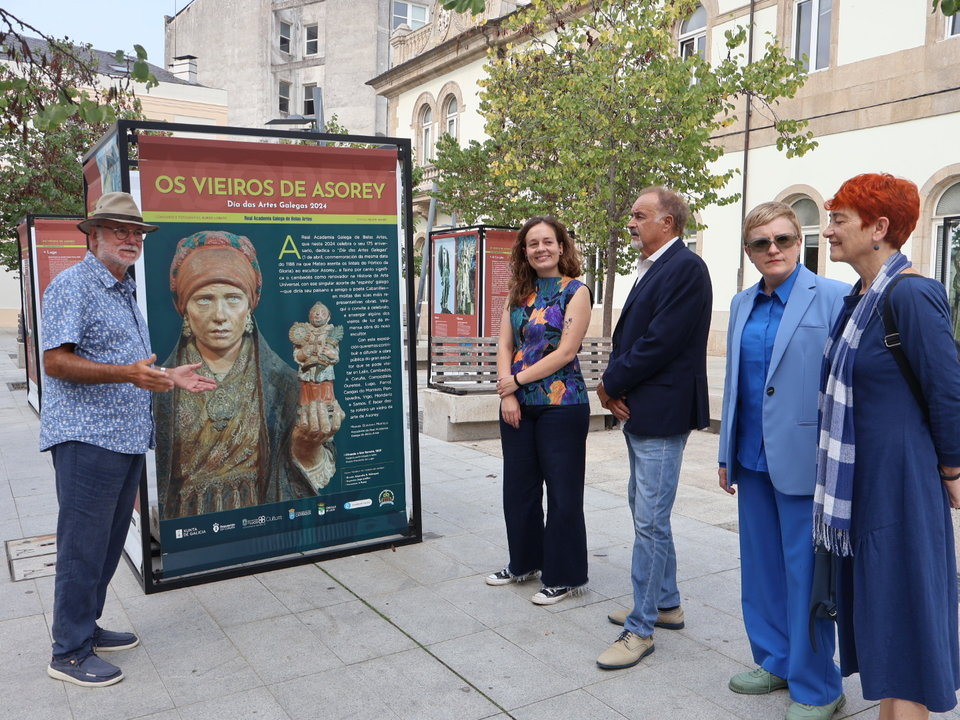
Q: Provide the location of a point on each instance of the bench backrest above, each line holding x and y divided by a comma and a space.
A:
469, 364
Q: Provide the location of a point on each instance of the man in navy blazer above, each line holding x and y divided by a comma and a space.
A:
656, 385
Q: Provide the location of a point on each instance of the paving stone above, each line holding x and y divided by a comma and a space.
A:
577, 704
354, 632
340, 693
418, 687
238, 601
425, 563
281, 648
258, 703
304, 587
502, 670
425, 615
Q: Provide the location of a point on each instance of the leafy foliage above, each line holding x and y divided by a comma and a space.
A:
53, 108
474, 6
947, 7
589, 108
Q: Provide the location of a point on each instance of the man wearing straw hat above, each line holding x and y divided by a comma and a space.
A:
96, 421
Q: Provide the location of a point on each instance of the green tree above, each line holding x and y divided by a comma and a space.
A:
54, 106
588, 108
474, 6
947, 7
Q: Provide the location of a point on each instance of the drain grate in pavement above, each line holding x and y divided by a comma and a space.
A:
32, 557
14, 386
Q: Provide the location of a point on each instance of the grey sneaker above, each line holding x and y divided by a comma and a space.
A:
86, 671
505, 577
756, 682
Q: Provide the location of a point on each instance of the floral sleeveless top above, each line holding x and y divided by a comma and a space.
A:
537, 327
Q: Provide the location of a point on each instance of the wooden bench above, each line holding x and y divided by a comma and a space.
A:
467, 365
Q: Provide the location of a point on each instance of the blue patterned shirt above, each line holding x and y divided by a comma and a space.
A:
87, 306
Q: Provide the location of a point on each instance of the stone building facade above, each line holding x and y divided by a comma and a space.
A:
270, 54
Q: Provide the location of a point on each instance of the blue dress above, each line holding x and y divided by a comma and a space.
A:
897, 594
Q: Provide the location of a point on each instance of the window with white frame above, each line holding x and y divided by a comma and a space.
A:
311, 34
415, 15
945, 258
693, 35
451, 113
426, 136
308, 107
809, 217
953, 25
947, 262
283, 103
811, 33
285, 32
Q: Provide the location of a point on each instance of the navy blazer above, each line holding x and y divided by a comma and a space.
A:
659, 358
789, 404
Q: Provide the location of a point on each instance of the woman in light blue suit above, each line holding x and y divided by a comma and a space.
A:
768, 446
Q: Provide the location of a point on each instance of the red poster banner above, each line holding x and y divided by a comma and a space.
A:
58, 245
48, 246
497, 247
248, 182
455, 284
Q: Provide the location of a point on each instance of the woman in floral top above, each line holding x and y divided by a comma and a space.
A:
544, 412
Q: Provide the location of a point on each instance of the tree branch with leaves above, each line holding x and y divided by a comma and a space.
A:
54, 106
593, 103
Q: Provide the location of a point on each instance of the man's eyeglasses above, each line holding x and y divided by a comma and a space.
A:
125, 233
762, 244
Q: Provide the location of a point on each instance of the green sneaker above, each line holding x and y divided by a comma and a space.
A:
799, 711
756, 682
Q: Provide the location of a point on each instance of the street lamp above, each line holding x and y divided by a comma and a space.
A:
317, 119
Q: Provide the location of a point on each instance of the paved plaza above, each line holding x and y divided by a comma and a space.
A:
412, 633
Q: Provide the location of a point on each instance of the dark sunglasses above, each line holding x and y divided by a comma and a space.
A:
762, 244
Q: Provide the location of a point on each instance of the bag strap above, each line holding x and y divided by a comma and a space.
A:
891, 338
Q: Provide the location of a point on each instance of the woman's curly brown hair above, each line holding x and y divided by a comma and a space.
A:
523, 280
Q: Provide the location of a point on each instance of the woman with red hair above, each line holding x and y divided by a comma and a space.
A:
888, 461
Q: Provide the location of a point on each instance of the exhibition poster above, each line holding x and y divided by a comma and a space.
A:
277, 268
497, 249
454, 284
48, 246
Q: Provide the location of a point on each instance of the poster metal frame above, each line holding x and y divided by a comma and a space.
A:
150, 578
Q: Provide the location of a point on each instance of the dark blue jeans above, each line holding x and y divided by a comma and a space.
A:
548, 448
96, 489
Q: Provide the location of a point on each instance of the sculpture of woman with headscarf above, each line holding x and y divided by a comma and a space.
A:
253, 440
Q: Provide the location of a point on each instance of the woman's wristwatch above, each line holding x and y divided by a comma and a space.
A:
948, 478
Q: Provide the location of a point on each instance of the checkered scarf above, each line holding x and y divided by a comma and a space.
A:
836, 449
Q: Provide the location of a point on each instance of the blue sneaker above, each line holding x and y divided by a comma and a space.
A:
108, 640
86, 671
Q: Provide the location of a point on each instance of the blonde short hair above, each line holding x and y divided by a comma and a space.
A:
768, 212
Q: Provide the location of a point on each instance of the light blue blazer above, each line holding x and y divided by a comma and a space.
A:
792, 385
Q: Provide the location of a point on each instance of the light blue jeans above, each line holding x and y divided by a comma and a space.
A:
654, 474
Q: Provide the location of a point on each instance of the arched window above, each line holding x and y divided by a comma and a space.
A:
693, 35
809, 216
426, 136
451, 114
947, 222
